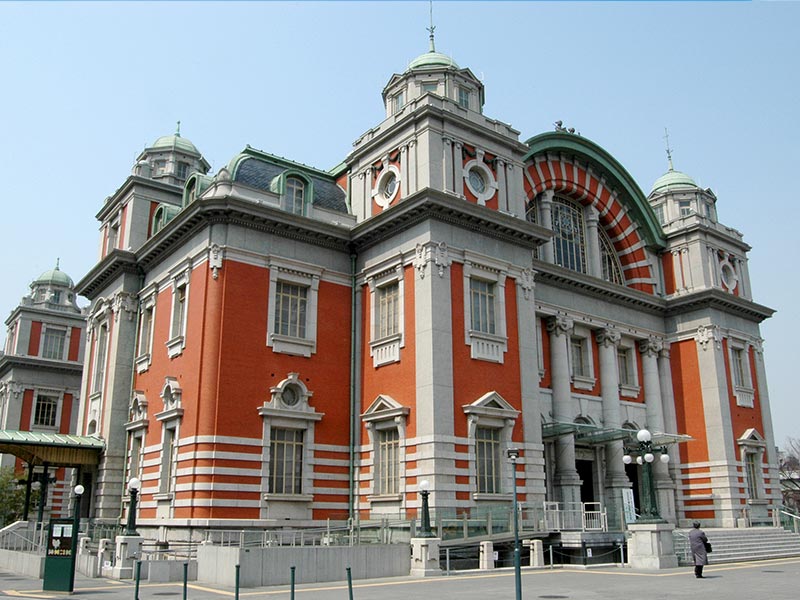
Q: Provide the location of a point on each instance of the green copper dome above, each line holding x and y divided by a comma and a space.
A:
54, 277
175, 141
673, 180
432, 60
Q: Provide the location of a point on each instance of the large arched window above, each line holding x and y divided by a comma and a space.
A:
295, 195
608, 258
569, 241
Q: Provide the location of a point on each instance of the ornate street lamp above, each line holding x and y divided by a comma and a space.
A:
133, 488
513, 455
424, 487
76, 520
644, 452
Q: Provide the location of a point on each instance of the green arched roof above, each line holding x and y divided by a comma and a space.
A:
54, 277
672, 180
432, 60
177, 142
630, 193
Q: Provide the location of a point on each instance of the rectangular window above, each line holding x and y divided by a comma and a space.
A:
482, 298
487, 459
54, 342
685, 207
286, 461
290, 309
178, 310
577, 349
145, 330
463, 97
659, 210
136, 457
388, 310
55, 296
739, 369
398, 102
623, 362
751, 474
429, 87
100, 359
160, 167
166, 481
182, 170
388, 461
46, 408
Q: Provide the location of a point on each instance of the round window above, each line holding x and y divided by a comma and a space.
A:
477, 181
389, 186
728, 276
289, 395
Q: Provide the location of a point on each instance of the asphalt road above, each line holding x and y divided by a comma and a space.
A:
761, 580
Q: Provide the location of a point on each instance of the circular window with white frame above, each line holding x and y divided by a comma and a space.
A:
480, 180
386, 187
729, 277
290, 395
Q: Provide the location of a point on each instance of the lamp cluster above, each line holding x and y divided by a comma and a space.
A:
645, 452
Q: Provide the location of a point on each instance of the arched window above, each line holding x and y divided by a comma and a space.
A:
295, 195
569, 241
608, 258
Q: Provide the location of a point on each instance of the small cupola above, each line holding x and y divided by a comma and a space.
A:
171, 159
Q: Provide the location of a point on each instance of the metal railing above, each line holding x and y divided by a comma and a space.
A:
788, 520
575, 516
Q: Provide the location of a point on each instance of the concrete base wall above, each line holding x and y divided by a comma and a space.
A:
25, 563
272, 566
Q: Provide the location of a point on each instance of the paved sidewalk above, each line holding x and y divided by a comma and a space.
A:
761, 580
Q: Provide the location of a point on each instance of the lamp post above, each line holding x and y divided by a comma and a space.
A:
133, 488
644, 453
424, 487
513, 455
76, 519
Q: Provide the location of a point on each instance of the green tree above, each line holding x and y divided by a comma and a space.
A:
12, 497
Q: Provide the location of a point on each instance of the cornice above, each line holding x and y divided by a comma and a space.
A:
12, 361
431, 204
115, 263
128, 185
718, 300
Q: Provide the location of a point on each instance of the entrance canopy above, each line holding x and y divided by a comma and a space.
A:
587, 433
56, 449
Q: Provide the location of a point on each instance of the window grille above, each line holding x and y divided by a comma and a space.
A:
286, 461
487, 458
482, 296
290, 309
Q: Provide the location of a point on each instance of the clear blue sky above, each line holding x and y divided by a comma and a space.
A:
86, 86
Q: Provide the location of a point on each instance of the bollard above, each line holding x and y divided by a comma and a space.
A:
350, 583
551, 556
447, 560
138, 577
291, 584
185, 578
236, 588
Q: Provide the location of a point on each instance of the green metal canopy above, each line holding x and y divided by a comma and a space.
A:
55, 449
588, 433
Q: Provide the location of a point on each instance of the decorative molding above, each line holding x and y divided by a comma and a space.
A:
560, 325
651, 346
526, 282
706, 334
608, 337
215, 260
124, 301
435, 252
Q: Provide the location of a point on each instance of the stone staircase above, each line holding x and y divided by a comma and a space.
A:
737, 545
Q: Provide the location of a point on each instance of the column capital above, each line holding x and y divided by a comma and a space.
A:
608, 337
560, 325
651, 346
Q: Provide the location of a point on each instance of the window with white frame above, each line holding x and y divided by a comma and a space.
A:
289, 421
170, 419
428, 87
147, 315
292, 310
490, 423
659, 210
463, 97
385, 421
581, 360
628, 369
386, 314
46, 410
101, 346
137, 429
179, 313
569, 241
484, 302
54, 342
685, 208
182, 170
487, 460
751, 474
398, 101
741, 376
752, 447
295, 195
286, 461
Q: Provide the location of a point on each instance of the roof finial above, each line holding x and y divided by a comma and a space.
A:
58, 262
178, 130
431, 29
669, 150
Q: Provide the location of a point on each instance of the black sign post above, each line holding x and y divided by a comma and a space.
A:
58, 555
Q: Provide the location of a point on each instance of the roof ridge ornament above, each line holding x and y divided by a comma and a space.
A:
669, 150
431, 29
178, 129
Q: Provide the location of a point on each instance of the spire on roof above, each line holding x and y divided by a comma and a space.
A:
669, 150
431, 29
178, 130
58, 261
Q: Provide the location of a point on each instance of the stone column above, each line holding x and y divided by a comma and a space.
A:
448, 165
502, 191
593, 261
616, 479
404, 191
665, 488
546, 206
668, 405
458, 169
566, 480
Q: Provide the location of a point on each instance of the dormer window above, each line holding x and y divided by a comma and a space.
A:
160, 167
182, 170
398, 101
463, 97
295, 195
685, 208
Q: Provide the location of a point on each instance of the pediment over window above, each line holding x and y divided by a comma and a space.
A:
491, 404
385, 407
137, 413
171, 393
751, 437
